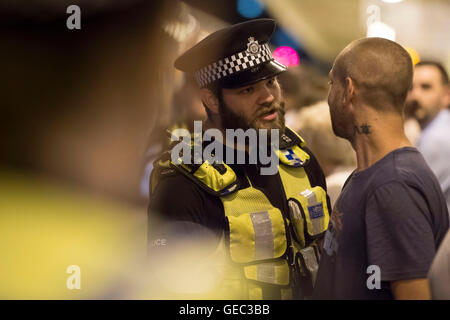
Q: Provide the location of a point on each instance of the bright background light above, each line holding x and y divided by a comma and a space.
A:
392, 1
249, 8
415, 57
287, 56
382, 30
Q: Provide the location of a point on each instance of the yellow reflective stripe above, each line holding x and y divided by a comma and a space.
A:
297, 222
279, 233
262, 226
265, 272
257, 236
310, 196
276, 272
315, 224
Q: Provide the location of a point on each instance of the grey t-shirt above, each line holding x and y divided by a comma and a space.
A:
391, 216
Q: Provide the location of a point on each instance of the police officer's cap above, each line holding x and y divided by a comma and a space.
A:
235, 56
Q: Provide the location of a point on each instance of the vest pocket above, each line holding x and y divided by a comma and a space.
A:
276, 272
257, 236
309, 214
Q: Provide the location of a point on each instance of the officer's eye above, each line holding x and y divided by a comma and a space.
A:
246, 90
426, 86
272, 81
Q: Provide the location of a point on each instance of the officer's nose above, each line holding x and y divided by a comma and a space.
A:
266, 95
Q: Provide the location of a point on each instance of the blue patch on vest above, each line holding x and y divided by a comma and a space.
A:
294, 160
316, 211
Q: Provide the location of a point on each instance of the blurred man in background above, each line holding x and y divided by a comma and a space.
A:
302, 86
391, 216
429, 101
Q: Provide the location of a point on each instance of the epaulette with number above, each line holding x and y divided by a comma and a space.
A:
291, 151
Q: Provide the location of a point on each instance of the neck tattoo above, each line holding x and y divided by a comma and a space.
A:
363, 129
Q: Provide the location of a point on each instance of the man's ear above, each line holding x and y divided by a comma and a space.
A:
349, 91
210, 100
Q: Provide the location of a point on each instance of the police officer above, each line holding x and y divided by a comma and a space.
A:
269, 226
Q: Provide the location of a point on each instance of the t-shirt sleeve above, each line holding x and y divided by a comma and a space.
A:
399, 233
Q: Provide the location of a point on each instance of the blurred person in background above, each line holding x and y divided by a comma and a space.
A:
302, 86
187, 108
411, 125
391, 215
262, 231
429, 102
335, 155
184, 105
76, 111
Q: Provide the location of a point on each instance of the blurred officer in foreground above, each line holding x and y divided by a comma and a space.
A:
74, 120
391, 216
428, 101
263, 229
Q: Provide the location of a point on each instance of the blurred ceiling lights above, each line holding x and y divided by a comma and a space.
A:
250, 8
325, 27
287, 56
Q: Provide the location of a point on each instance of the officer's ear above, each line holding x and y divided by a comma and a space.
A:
210, 100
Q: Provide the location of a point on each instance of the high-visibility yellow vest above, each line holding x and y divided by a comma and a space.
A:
268, 249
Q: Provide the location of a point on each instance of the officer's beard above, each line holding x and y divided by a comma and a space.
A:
232, 120
264, 140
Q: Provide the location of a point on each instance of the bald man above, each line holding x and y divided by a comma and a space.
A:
391, 216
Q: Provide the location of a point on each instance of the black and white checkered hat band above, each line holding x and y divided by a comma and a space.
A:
231, 65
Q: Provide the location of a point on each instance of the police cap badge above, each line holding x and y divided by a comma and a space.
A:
234, 57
